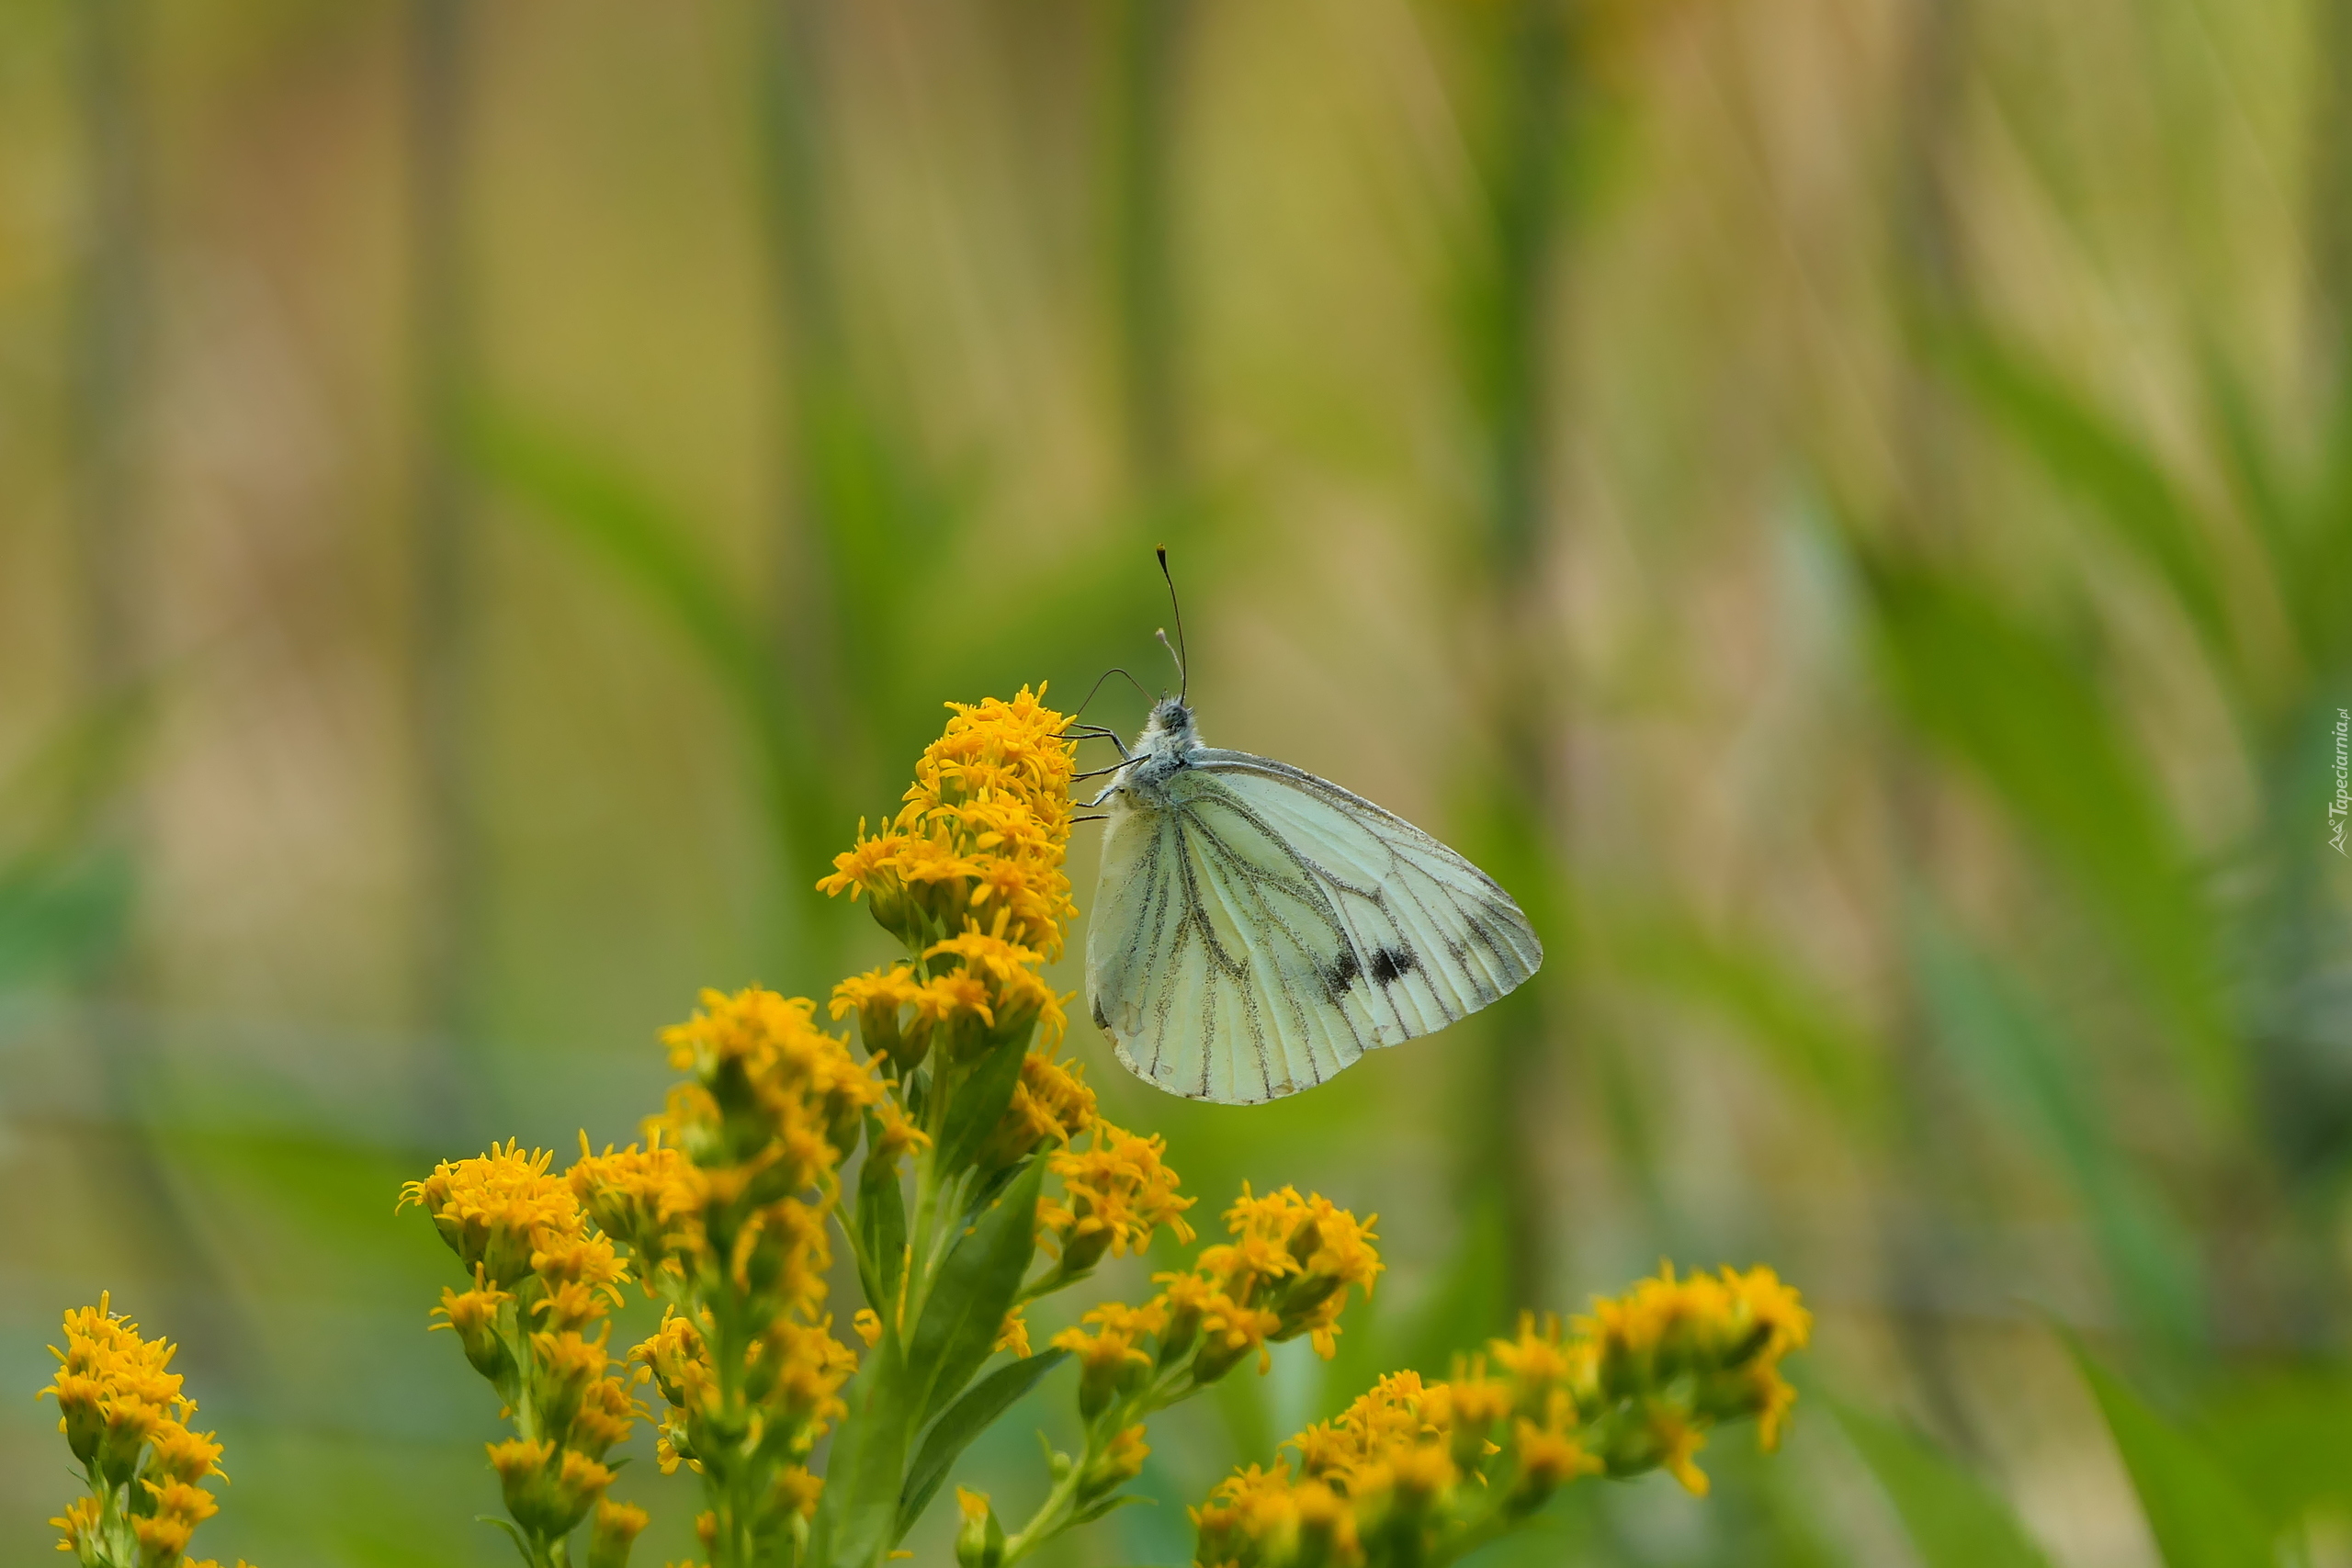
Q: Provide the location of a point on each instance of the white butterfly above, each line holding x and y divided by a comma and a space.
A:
1257, 929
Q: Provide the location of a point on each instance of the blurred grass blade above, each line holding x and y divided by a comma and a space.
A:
2019, 711
2195, 1510
2087, 452
1800, 1033
2255, 474
2019, 1061
652, 547
1954, 1519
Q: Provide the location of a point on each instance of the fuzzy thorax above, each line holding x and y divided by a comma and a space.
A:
1167, 743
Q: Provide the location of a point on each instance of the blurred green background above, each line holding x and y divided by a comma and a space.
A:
1845, 508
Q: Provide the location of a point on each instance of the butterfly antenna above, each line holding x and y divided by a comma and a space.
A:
1183, 664
1097, 687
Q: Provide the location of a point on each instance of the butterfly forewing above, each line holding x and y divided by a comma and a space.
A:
1263, 928
1206, 955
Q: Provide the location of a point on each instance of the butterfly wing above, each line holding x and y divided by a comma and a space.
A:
1259, 929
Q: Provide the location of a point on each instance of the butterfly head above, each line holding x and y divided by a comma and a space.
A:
1170, 726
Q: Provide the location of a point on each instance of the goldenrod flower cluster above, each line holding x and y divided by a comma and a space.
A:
1286, 1273
532, 1323
125, 1417
979, 842
1115, 1193
725, 1210
964, 1034
1421, 1473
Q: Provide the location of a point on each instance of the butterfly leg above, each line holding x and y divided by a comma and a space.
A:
1096, 732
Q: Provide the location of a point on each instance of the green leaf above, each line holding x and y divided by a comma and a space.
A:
859, 1507
979, 1104
881, 1229
974, 1289
965, 1420
1108, 1506
2018, 1059
522, 1544
2019, 711
1954, 1520
2195, 1510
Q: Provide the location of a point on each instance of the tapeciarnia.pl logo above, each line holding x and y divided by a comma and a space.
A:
2341, 806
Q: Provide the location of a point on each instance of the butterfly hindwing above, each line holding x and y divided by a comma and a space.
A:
1259, 929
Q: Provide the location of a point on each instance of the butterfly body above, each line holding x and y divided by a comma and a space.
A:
1258, 929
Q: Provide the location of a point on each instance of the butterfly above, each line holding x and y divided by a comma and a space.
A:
1257, 929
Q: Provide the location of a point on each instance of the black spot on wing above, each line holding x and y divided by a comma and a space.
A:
1343, 974
1391, 964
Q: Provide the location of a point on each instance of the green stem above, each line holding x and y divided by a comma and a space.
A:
1052, 1517
1048, 1521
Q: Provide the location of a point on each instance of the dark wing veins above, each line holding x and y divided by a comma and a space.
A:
1385, 964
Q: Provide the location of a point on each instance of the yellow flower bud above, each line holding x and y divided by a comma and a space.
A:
979, 1543
616, 1531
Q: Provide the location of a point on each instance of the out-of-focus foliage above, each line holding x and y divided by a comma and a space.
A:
1848, 511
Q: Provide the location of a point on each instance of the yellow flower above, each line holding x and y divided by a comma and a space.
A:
680, 1366
1108, 1359
79, 1522
978, 840
123, 1414
602, 1421
178, 1500
1014, 1336
615, 1530
1251, 1517
184, 1456
1635, 1387
774, 1089
1230, 1331
648, 1198
497, 1209
548, 1490
1115, 1194
1678, 1440
895, 1135
1327, 1525
880, 999
162, 1537
1051, 1104
1120, 1462
972, 1542
1297, 1257
797, 1492
1547, 1460
474, 1314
